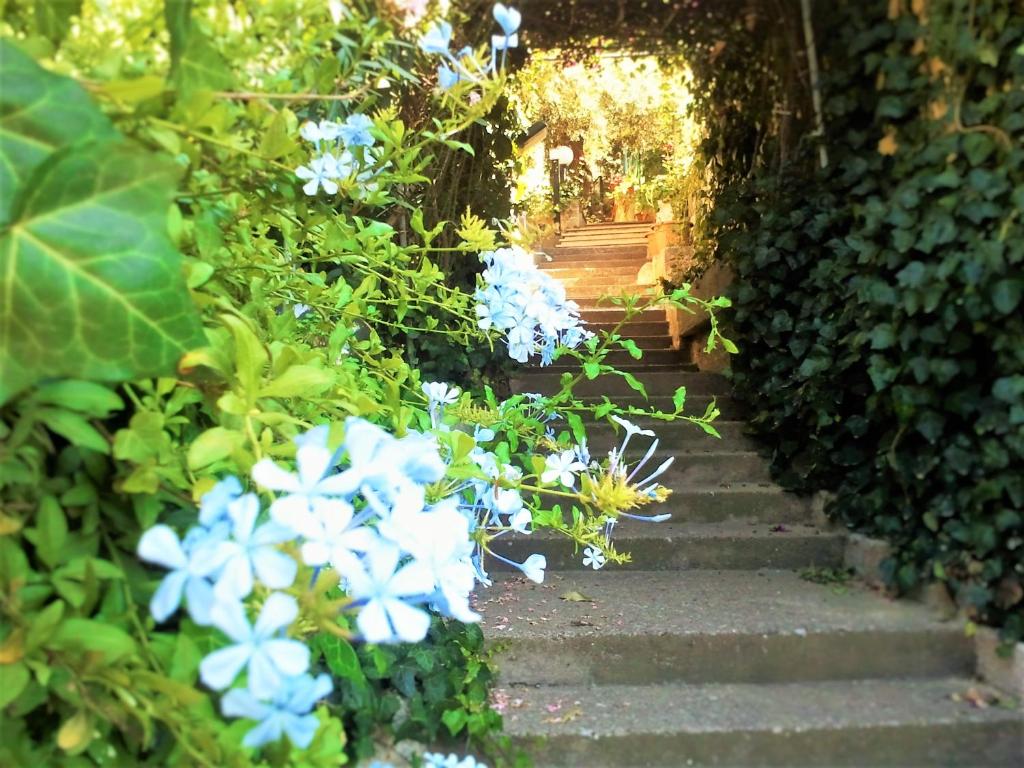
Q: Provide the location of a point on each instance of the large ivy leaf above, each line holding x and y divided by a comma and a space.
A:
92, 287
40, 112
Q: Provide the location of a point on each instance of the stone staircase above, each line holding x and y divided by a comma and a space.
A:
709, 648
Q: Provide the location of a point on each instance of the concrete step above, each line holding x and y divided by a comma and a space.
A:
602, 240
729, 408
565, 264
710, 626
611, 314
605, 269
656, 382
664, 358
831, 723
679, 437
597, 284
601, 253
672, 546
633, 328
614, 226
587, 298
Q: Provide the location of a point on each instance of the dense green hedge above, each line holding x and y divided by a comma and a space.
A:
880, 300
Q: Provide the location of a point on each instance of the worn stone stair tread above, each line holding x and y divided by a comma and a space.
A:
703, 626
764, 601
828, 723
681, 546
657, 382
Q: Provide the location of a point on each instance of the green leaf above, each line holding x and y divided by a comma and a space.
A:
340, 657
679, 398
213, 445
51, 531
86, 397
455, 720
90, 245
13, 679
592, 370
306, 380
75, 428
201, 66
40, 112
93, 636
53, 17
178, 18
1006, 295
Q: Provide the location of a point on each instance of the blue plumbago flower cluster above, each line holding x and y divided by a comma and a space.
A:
492, 503
437, 760
362, 510
341, 151
495, 505
462, 67
528, 305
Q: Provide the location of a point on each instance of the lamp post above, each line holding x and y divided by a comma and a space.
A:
560, 157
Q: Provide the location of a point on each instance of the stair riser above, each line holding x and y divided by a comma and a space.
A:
565, 272
671, 358
729, 657
677, 437
594, 300
632, 329
927, 744
592, 254
654, 553
589, 267
655, 383
695, 405
606, 315
614, 284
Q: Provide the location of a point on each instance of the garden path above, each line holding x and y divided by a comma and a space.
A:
710, 648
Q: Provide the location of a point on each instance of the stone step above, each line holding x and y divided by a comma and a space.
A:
674, 360
677, 436
633, 328
710, 626
597, 284
555, 265
589, 299
656, 382
612, 314
613, 226
602, 240
613, 269
729, 408
590, 253
672, 546
861, 723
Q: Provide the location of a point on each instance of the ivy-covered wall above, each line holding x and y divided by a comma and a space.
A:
880, 301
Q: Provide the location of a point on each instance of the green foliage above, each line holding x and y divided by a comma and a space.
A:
158, 344
93, 286
429, 692
879, 299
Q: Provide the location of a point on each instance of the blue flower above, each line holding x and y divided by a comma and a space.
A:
593, 557
213, 507
270, 658
562, 467
252, 551
189, 572
286, 713
447, 78
437, 39
356, 131
437, 760
508, 18
305, 488
319, 174
381, 588
332, 537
